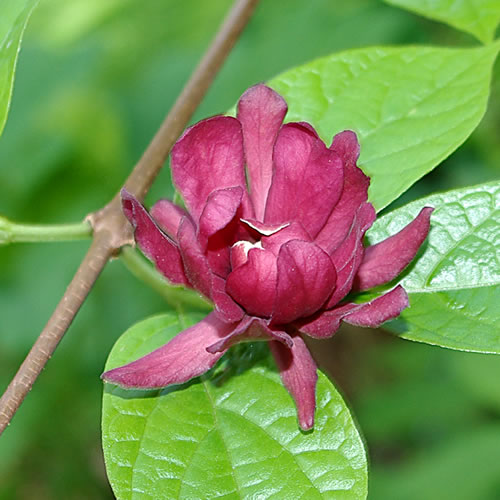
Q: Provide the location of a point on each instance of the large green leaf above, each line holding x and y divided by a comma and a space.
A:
411, 106
478, 17
14, 15
232, 434
454, 283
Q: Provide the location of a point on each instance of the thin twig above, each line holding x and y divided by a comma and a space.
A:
42, 349
111, 231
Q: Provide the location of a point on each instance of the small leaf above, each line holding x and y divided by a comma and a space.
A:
13, 19
453, 283
411, 106
232, 434
478, 17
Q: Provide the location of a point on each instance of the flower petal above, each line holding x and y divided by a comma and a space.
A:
199, 274
349, 254
385, 260
168, 216
155, 244
307, 180
253, 284
355, 192
260, 111
249, 330
225, 307
371, 314
293, 231
306, 278
209, 156
219, 211
195, 262
178, 361
298, 372
219, 227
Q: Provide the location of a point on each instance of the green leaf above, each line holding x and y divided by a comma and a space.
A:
14, 15
232, 434
478, 17
463, 246
411, 106
453, 283
467, 320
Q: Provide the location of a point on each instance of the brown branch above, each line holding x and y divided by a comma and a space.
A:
111, 230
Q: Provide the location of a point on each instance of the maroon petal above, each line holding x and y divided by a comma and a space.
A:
385, 260
218, 251
249, 330
155, 244
209, 156
307, 180
195, 263
325, 323
298, 372
176, 362
225, 307
220, 227
355, 192
168, 216
253, 284
219, 211
202, 278
306, 278
349, 254
371, 314
260, 112
293, 231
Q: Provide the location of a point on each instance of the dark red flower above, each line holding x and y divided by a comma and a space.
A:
273, 236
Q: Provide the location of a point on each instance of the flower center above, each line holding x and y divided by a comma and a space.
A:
239, 252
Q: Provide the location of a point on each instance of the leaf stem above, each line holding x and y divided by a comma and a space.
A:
11, 232
175, 295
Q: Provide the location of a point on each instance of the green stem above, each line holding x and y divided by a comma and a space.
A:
11, 232
174, 295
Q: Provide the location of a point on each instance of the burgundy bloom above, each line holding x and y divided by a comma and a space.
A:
273, 236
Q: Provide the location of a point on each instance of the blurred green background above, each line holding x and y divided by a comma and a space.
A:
94, 80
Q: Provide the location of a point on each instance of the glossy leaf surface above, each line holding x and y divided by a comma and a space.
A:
232, 434
410, 106
478, 17
454, 282
13, 19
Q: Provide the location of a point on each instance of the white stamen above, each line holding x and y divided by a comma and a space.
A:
247, 246
265, 232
